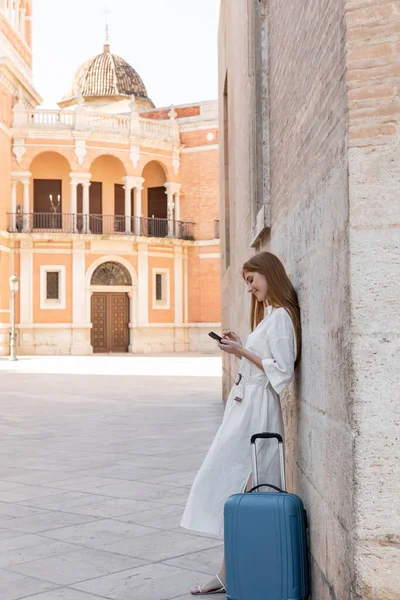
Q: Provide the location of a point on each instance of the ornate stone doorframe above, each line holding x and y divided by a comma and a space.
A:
131, 289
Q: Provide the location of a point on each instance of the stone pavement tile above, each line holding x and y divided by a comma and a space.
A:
60, 500
21, 541
44, 521
177, 499
15, 510
80, 565
136, 490
84, 484
212, 536
99, 533
31, 552
207, 561
65, 594
163, 517
6, 534
150, 582
14, 586
178, 479
18, 492
115, 508
128, 472
35, 477
161, 545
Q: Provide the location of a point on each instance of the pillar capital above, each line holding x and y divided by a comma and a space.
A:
80, 178
21, 176
172, 187
131, 181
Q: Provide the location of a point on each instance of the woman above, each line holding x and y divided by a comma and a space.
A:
267, 366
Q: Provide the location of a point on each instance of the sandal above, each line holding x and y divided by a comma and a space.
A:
200, 592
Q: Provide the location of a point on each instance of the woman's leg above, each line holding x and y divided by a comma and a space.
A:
215, 583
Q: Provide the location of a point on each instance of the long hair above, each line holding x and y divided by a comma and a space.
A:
280, 292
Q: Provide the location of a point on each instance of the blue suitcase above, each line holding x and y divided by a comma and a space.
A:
266, 540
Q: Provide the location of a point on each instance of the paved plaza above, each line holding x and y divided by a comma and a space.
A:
97, 455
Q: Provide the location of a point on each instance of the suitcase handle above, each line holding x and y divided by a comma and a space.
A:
274, 487
267, 436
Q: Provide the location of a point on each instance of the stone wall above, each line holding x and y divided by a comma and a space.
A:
373, 79
331, 211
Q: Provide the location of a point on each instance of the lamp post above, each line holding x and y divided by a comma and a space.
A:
13, 338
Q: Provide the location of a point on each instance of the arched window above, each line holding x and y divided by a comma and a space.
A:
111, 273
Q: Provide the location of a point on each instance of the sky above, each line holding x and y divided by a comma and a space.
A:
172, 44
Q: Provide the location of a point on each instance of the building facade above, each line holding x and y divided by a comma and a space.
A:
309, 122
109, 210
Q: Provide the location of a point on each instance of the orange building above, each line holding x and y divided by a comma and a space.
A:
109, 210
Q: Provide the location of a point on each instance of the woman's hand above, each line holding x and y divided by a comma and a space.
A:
232, 347
231, 335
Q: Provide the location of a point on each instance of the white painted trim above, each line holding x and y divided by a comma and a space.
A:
202, 125
185, 286
6, 129
45, 303
55, 326
26, 283
5, 249
78, 283
214, 242
200, 148
175, 326
160, 254
210, 255
4, 310
143, 285
165, 303
178, 286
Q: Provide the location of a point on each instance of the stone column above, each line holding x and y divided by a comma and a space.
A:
171, 190
73, 205
138, 185
143, 285
85, 206
177, 211
25, 183
129, 183
13, 220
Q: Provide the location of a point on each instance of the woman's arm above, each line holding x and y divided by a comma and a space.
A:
238, 350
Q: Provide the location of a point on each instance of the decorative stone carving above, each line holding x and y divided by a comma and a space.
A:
19, 149
80, 150
176, 163
111, 273
134, 155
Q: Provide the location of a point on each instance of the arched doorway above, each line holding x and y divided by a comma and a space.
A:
155, 199
111, 283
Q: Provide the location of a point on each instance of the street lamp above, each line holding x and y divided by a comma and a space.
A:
13, 338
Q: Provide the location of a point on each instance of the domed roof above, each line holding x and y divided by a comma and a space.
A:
106, 76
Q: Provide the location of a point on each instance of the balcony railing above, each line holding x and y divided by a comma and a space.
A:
85, 119
99, 225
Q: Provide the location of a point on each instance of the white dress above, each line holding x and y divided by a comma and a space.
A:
227, 466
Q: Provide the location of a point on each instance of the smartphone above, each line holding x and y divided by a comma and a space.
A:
215, 336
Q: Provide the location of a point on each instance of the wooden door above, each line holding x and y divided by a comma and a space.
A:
110, 319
